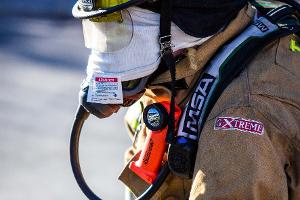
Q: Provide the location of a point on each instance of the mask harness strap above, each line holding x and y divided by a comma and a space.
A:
168, 58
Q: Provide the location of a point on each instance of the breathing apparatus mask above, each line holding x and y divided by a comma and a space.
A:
124, 46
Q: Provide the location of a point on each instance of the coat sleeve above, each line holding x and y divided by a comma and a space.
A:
238, 160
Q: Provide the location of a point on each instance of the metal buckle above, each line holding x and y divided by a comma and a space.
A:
165, 46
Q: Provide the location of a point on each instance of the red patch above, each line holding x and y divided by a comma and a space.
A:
105, 79
236, 123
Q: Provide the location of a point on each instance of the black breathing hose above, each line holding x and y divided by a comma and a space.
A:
81, 116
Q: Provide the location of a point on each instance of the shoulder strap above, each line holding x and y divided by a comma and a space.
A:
231, 60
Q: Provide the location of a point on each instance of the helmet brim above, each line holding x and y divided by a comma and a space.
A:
81, 14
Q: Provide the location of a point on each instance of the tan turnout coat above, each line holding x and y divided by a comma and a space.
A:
235, 164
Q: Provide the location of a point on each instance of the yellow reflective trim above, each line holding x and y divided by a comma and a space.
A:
136, 123
113, 17
294, 46
133, 116
109, 3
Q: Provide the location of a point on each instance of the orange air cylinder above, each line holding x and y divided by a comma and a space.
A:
155, 117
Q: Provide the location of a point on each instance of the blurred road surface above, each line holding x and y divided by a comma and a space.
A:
42, 63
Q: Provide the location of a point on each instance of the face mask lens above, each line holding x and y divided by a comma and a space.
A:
109, 33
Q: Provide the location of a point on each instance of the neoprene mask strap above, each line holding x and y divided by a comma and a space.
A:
168, 58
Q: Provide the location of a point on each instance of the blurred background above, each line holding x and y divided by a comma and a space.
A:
42, 62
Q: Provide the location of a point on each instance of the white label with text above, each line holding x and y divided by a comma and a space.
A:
105, 89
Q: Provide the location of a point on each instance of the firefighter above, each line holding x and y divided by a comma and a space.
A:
249, 145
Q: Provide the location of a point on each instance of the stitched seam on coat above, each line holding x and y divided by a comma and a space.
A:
228, 108
248, 84
276, 98
246, 95
292, 141
269, 120
291, 73
276, 52
297, 144
276, 62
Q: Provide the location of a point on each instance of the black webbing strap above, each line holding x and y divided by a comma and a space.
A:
165, 26
168, 58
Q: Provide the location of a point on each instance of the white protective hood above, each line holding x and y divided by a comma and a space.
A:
141, 56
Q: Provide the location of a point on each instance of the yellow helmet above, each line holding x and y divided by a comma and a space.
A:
84, 9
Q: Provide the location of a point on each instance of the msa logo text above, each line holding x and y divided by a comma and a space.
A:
261, 26
196, 104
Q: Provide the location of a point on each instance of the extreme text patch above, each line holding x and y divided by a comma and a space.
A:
236, 123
